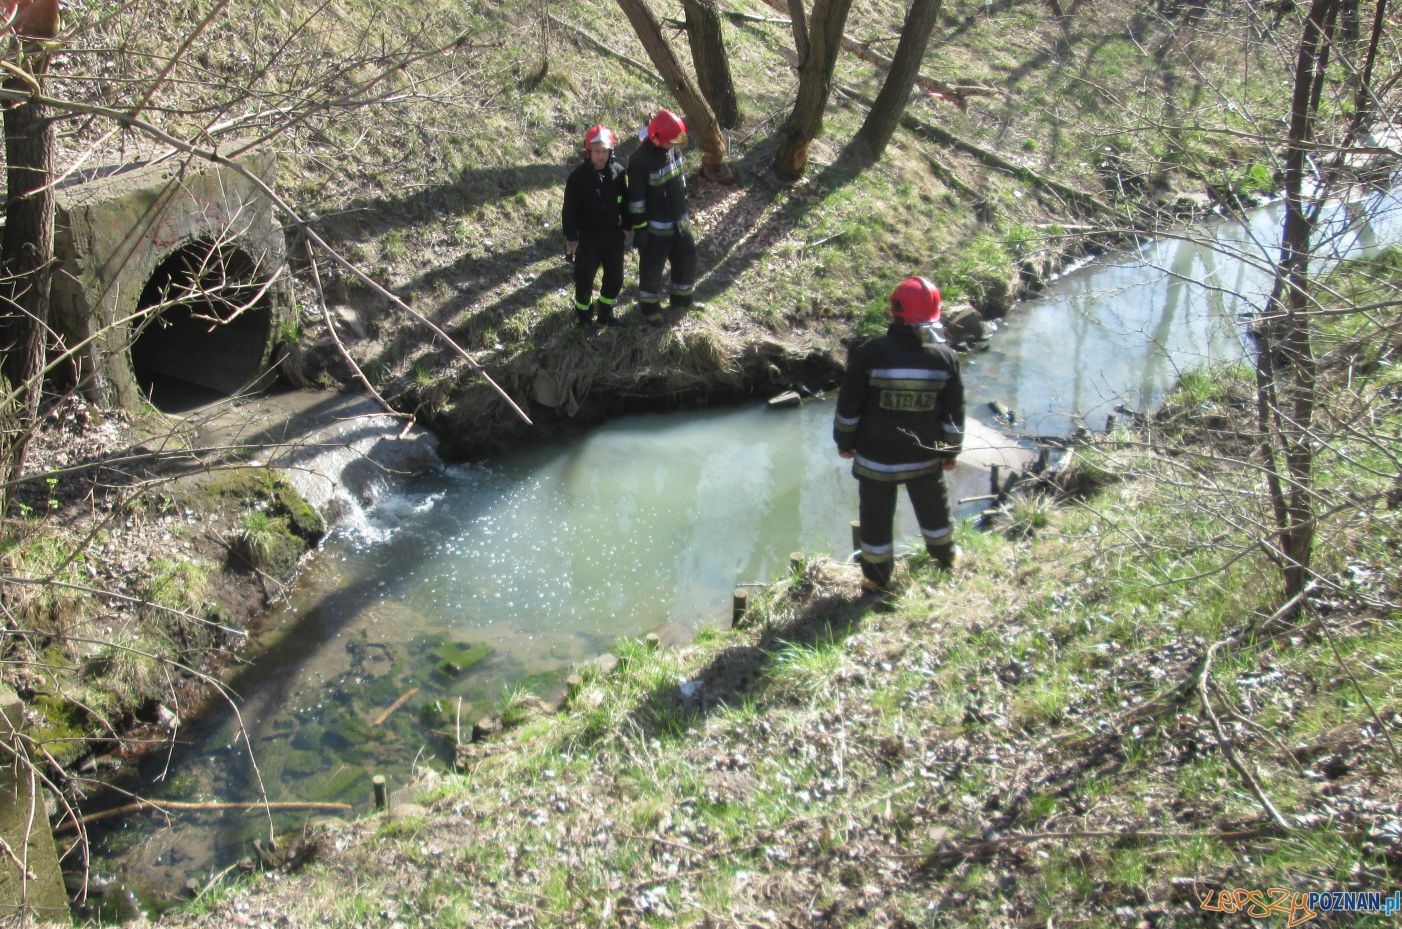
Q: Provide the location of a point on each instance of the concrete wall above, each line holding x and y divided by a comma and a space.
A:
116, 226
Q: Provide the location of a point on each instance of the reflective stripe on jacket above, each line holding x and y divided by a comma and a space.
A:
657, 190
900, 407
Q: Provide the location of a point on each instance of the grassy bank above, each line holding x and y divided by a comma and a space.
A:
1102, 719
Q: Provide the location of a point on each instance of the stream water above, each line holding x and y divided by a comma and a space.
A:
473, 579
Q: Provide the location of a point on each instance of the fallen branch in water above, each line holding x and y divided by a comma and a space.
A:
403, 699
165, 806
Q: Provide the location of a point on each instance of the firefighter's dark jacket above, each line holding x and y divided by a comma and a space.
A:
657, 190
900, 407
594, 201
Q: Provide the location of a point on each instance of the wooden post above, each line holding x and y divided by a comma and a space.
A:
795, 562
856, 525
993, 482
739, 604
381, 792
652, 641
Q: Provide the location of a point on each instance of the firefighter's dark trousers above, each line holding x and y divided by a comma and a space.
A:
678, 249
595, 251
877, 509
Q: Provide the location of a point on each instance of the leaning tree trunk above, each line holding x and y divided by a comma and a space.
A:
703, 32
824, 40
1363, 93
26, 256
885, 115
798, 21
700, 121
1286, 368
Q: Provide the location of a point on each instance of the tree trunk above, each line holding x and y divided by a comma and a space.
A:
886, 112
953, 93
1363, 96
700, 121
814, 86
26, 257
1286, 368
703, 31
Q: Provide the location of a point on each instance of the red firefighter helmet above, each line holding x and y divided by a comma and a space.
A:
915, 300
600, 135
666, 128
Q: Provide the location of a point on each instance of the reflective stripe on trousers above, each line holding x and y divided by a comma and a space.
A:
658, 251
877, 510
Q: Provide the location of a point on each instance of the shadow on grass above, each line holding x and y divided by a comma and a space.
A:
736, 243
369, 218
729, 256
741, 671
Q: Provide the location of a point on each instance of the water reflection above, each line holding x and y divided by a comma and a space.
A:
1120, 332
1124, 329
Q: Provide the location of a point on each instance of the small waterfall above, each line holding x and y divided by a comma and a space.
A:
380, 515
350, 454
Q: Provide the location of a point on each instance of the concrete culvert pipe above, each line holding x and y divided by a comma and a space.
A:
203, 327
172, 282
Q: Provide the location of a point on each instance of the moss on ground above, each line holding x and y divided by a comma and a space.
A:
251, 488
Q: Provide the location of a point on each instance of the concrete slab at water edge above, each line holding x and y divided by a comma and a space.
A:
327, 444
986, 446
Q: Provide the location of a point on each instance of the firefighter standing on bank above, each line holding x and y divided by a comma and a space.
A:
661, 226
596, 232
900, 419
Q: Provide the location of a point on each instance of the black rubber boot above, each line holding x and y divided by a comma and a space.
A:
878, 596
680, 307
604, 315
944, 557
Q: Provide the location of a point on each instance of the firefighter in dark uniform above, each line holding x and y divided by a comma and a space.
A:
900, 419
661, 226
596, 232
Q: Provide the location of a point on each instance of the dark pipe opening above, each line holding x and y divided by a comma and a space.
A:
205, 323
